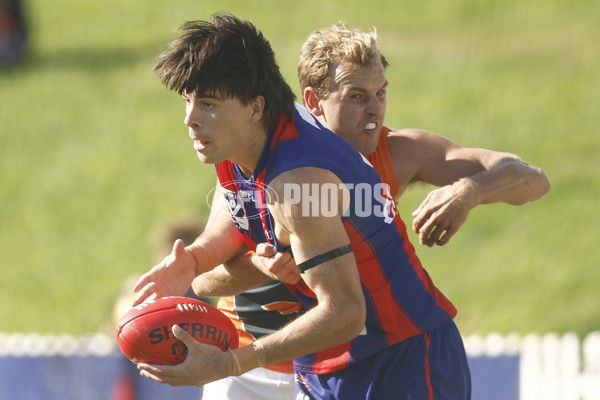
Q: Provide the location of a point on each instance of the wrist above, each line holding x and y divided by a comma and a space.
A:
246, 358
196, 265
470, 191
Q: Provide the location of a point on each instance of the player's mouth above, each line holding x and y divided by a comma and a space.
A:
371, 126
200, 144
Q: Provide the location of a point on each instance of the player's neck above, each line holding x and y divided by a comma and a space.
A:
249, 155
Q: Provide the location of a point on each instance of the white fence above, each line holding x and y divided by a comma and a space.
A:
548, 367
551, 367
37, 345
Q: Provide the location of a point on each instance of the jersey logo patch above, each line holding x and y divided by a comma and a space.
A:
237, 211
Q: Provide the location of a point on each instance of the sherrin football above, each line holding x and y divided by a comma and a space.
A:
144, 332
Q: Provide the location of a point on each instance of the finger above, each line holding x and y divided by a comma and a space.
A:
151, 368
293, 278
446, 238
284, 268
276, 272
418, 224
421, 217
182, 335
272, 263
178, 248
422, 205
442, 241
279, 260
148, 292
148, 375
425, 230
266, 250
141, 282
290, 276
293, 273
160, 373
435, 235
187, 339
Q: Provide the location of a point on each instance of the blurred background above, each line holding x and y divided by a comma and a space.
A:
94, 155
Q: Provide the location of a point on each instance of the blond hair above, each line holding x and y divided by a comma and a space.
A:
336, 44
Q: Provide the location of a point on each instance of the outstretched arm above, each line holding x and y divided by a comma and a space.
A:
247, 271
231, 278
467, 178
219, 242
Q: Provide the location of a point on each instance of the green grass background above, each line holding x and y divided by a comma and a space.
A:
94, 154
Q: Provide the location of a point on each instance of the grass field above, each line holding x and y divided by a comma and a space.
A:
94, 154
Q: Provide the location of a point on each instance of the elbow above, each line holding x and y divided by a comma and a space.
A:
535, 185
541, 184
545, 184
354, 317
359, 325
199, 287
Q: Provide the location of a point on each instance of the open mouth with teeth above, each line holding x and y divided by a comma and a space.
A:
371, 125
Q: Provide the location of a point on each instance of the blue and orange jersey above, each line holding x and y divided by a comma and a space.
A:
266, 308
400, 297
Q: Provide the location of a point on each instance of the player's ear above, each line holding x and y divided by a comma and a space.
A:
312, 101
257, 107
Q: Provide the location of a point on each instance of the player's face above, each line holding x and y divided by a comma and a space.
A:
222, 129
355, 108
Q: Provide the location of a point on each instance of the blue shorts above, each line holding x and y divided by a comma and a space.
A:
430, 366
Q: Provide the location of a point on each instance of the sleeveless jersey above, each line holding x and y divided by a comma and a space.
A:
382, 162
401, 299
265, 309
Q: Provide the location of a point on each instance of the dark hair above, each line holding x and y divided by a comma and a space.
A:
228, 57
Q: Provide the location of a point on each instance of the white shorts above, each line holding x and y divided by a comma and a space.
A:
258, 384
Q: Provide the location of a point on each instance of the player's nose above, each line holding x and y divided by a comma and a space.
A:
375, 106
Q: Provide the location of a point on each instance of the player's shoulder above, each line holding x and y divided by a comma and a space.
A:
413, 135
303, 175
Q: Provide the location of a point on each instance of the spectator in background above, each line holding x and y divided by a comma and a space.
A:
13, 33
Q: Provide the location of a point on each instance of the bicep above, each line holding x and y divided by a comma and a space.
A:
313, 235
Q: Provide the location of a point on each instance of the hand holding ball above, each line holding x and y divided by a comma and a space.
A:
144, 332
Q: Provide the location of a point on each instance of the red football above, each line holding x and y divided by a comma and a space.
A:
144, 332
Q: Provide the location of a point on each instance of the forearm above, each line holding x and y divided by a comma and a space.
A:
512, 182
211, 249
320, 328
230, 278
220, 241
